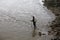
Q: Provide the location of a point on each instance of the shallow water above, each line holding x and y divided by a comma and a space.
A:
15, 16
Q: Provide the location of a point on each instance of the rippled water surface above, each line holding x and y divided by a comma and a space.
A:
15, 16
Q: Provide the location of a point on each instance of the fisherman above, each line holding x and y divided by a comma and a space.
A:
34, 22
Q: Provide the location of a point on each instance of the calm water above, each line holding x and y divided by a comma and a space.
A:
15, 16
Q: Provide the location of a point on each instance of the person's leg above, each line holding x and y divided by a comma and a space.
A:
34, 25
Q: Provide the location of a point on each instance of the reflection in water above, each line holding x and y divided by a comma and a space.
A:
22, 11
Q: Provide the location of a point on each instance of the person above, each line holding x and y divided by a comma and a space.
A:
34, 22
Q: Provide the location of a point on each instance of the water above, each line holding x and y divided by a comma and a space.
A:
15, 16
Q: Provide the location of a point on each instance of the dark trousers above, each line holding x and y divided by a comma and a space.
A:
34, 23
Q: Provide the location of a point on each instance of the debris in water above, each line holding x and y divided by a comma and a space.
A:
40, 34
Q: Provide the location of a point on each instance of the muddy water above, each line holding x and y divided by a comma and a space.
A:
15, 16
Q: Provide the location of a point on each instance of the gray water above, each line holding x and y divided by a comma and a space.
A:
15, 16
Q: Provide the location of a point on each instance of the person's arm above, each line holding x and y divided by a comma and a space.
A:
31, 20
